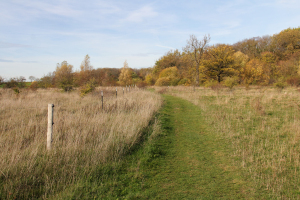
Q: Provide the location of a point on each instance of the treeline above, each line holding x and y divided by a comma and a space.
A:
263, 60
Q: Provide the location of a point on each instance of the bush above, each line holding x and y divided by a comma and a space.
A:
184, 81
88, 87
141, 84
12, 83
280, 85
34, 86
16, 91
230, 82
164, 81
211, 83
293, 81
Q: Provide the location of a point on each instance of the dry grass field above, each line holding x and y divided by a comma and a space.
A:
84, 136
263, 126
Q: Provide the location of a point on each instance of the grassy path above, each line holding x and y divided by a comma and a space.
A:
196, 164
186, 161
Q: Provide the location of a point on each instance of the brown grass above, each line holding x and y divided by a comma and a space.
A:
84, 135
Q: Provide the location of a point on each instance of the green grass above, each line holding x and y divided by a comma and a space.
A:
263, 127
185, 161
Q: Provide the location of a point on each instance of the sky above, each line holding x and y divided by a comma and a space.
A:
35, 35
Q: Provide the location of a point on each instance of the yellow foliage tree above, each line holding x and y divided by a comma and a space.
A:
64, 76
254, 73
240, 61
125, 77
168, 76
149, 79
85, 73
219, 62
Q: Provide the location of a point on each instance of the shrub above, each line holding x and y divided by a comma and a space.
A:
184, 81
293, 81
141, 84
211, 83
34, 86
16, 91
164, 81
280, 85
88, 87
12, 83
230, 82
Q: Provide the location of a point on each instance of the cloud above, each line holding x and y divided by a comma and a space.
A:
11, 45
3, 60
141, 14
29, 62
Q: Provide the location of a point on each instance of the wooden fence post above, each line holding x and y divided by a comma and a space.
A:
102, 98
50, 125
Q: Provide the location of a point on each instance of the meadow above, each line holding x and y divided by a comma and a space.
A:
84, 136
262, 125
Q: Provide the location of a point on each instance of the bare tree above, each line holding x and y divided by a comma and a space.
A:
1, 80
196, 48
32, 78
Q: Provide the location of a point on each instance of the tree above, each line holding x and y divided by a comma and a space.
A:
196, 48
240, 61
286, 43
1, 80
149, 79
219, 62
125, 77
168, 76
85, 73
64, 76
32, 78
254, 72
170, 59
47, 80
253, 47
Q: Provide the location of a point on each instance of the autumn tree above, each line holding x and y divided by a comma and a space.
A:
85, 73
196, 48
168, 76
125, 77
149, 79
269, 60
47, 80
219, 62
286, 43
254, 73
253, 47
64, 76
240, 61
170, 59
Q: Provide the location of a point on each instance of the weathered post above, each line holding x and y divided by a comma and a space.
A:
116, 92
50, 125
102, 98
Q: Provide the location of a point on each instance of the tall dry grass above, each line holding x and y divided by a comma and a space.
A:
263, 126
84, 136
